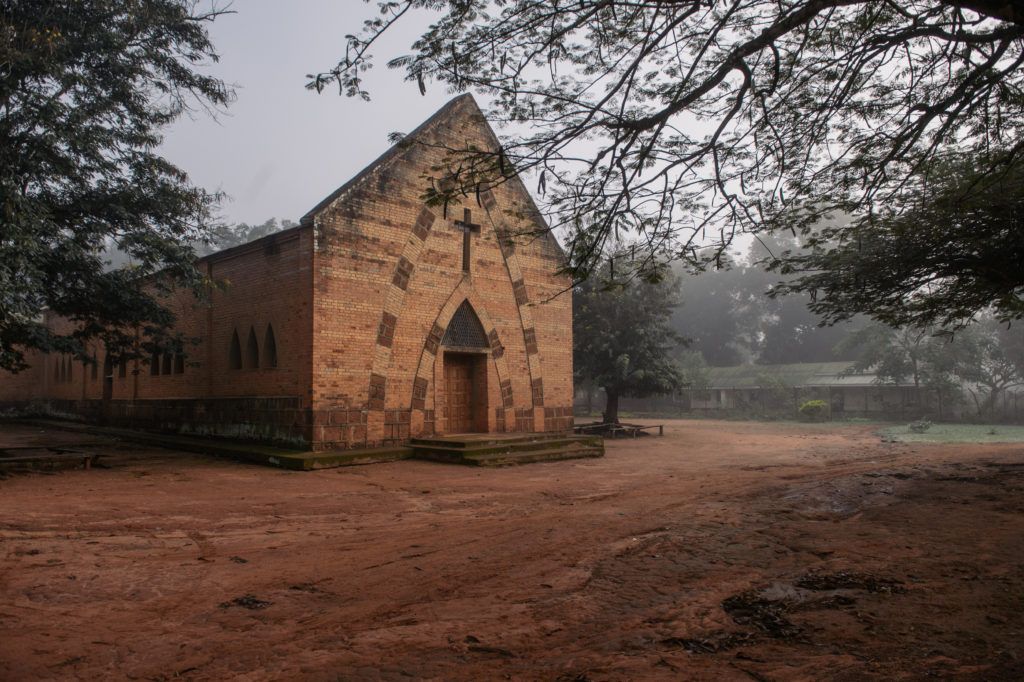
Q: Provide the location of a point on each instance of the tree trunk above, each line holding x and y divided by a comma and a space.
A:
611, 407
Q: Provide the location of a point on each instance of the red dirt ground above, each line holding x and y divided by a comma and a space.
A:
722, 551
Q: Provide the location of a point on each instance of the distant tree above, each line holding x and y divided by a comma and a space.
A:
985, 359
993, 365
694, 369
789, 330
711, 315
685, 121
226, 236
622, 340
86, 86
897, 355
731, 316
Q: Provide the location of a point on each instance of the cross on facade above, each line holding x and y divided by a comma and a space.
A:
468, 227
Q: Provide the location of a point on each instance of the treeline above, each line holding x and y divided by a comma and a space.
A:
222, 236
644, 338
728, 316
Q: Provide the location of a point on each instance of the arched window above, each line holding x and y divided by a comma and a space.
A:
235, 352
252, 351
154, 365
165, 368
269, 348
122, 369
179, 363
68, 369
95, 367
465, 330
63, 369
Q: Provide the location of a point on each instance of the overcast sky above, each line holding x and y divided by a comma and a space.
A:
279, 149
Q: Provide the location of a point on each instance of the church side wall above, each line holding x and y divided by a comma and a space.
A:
25, 386
265, 283
388, 276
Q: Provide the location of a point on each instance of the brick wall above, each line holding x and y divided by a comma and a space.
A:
259, 285
388, 277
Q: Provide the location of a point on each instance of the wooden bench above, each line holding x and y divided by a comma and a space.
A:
616, 430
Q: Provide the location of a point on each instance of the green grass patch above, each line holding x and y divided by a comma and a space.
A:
956, 433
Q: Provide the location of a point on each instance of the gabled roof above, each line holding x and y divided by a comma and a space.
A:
385, 157
396, 149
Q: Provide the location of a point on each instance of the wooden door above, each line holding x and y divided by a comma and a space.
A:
459, 384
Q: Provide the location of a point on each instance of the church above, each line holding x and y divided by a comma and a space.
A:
377, 319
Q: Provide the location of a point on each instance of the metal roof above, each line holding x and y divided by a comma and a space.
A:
804, 374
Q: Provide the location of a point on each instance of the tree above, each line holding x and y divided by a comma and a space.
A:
894, 355
226, 236
986, 359
694, 370
623, 341
995, 364
952, 249
684, 121
711, 315
731, 317
85, 88
789, 330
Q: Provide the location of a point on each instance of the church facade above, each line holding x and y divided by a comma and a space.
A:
377, 319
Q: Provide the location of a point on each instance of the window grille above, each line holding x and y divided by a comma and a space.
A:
465, 330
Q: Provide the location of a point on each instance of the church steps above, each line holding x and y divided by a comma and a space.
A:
477, 440
505, 450
472, 448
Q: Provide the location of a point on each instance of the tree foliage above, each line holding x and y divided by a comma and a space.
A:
86, 86
622, 339
730, 316
952, 249
680, 122
227, 236
984, 360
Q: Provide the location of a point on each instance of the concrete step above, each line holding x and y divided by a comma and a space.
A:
549, 450
476, 440
532, 457
468, 449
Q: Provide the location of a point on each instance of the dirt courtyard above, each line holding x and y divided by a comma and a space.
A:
722, 551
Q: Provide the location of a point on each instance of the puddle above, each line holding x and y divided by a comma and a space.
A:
247, 601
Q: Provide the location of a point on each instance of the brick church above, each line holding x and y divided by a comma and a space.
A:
377, 319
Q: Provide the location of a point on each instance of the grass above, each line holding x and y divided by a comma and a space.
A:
956, 433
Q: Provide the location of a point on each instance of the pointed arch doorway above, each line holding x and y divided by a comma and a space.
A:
464, 358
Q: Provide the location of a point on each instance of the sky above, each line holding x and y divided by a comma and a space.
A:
279, 148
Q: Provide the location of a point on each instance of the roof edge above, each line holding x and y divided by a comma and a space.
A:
392, 151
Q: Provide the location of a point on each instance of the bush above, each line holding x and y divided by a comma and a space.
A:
813, 410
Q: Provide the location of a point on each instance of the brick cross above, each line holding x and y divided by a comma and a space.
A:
468, 227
